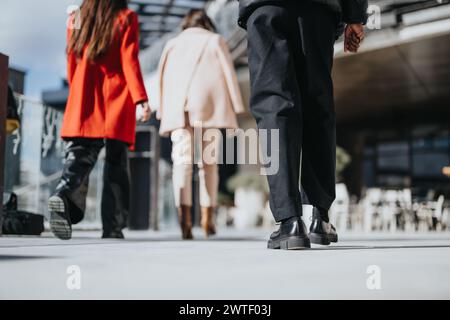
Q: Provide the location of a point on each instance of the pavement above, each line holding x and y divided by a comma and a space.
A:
234, 265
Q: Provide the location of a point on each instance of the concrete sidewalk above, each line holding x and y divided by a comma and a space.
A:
235, 265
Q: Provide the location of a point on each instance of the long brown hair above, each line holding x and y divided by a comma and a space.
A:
198, 18
97, 27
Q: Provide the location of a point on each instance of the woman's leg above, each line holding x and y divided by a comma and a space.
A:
209, 178
182, 157
209, 184
116, 189
68, 203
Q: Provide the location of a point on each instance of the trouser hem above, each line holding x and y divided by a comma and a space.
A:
286, 212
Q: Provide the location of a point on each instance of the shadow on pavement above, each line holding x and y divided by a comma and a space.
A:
11, 257
318, 248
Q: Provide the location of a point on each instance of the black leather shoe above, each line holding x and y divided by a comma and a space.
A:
60, 223
291, 235
116, 234
321, 232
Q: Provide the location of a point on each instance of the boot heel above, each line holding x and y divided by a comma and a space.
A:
319, 239
184, 215
295, 244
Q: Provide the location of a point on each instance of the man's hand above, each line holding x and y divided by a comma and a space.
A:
144, 112
354, 36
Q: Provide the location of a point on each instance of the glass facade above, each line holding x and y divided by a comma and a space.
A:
415, 159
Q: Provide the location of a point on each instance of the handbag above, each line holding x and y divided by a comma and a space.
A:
17, 222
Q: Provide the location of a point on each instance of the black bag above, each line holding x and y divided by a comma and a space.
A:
17, 222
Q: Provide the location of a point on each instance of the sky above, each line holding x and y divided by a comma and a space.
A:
33, 35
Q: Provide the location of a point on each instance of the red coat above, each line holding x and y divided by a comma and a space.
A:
103, 94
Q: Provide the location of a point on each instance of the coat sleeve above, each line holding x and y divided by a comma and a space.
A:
130, 59
71, 60
161, 70
223, 52
355, 11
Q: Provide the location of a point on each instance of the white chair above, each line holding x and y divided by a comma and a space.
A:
390, 210
356, 214
430, 214
370, 205
339, 211
406, 204
437, 210
445, 219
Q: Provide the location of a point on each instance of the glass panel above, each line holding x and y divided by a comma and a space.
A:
23, 157
393, 156
430, 164
35, 158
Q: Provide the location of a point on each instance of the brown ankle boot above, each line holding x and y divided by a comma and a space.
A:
207, 221
184, 215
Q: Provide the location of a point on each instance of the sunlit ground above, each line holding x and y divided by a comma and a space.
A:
234, 265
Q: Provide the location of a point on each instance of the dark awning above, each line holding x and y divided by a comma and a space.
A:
158, 17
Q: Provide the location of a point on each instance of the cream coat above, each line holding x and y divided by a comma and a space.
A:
197, 75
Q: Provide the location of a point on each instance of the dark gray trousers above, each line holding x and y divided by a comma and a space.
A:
290, 59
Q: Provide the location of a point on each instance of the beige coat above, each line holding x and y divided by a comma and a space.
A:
197, 75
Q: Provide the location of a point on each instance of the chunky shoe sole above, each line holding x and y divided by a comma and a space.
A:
323, 239
59, 225
291, 243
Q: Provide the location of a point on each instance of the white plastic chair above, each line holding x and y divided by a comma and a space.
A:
437, 211
339, 211
390, 209
370, 206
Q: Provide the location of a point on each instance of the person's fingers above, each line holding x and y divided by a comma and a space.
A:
356, 37
352, 47
354, 41
353, 38
145, 118
348, 42
348, 46
361, 36
147, 113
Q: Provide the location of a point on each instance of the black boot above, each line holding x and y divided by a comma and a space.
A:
68, 203
292, 235
60, 223
321, 232
81, 156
